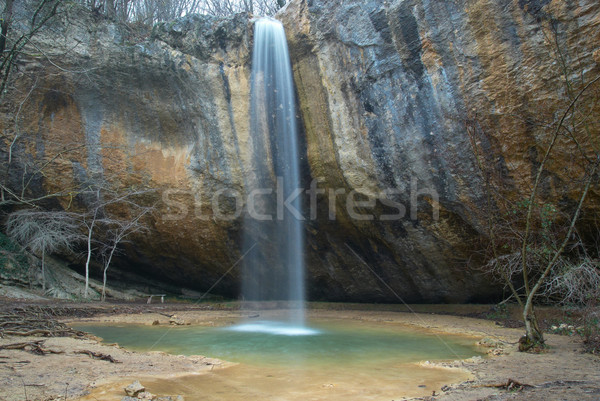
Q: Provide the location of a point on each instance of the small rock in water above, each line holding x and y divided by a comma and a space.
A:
134, 389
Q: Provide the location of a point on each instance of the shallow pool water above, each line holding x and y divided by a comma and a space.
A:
327, 360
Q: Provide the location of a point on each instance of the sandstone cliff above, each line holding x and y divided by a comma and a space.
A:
386, 91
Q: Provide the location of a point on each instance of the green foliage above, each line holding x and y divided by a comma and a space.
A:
548, 214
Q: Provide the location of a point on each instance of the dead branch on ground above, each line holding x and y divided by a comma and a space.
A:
98, 355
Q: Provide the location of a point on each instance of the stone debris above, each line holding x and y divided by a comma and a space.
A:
175, 321
134, 389
136, 392
490, 343
145, 395
496, 347
495, 352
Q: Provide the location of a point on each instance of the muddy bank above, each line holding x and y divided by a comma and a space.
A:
54, 363
74, 372
561, 373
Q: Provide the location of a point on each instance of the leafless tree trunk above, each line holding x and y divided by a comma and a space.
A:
523, 247
533, 332
120, 230
44, 268
97, 222
90, 224
105, 270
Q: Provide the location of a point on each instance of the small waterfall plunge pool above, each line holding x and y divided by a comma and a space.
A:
339, 359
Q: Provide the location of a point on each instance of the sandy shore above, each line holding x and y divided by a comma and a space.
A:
561, 373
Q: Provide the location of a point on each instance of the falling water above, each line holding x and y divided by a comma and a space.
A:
274, 265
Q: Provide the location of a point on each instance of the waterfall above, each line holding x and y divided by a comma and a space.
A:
273, 226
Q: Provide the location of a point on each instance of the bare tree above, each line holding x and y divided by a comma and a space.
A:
89, 221
153, 11
577, 283
117, 234
98, 222
44, 232
530, 239
223, 8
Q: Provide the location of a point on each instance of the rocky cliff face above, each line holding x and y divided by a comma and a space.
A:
386, 91
166, 111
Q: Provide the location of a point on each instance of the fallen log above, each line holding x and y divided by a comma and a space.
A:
34, 347
510, 385
514, 385
45, 333
20, 345
98, 355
